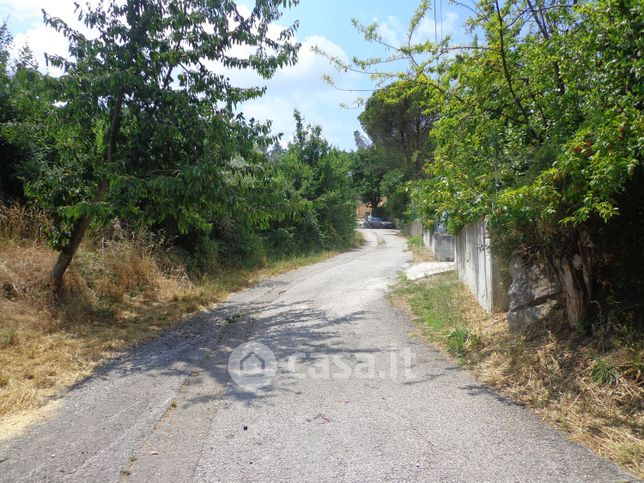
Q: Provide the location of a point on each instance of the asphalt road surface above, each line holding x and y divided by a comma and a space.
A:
331, 384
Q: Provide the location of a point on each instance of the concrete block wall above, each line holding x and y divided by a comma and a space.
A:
479, 269
437, 241
415, 229
440, 244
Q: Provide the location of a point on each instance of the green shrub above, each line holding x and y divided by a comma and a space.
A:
457, 340
416, 241
603, 371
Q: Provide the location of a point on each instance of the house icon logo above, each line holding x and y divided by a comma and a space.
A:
252, 365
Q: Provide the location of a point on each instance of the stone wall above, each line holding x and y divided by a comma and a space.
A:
528, 291
534, 295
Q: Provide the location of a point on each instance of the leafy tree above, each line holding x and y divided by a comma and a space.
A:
396, 118
318, 201
367, 171
147, 126
542, 132
368, 168
26, 60
394, 187
25, 101
8, 151
361, 142
539, 131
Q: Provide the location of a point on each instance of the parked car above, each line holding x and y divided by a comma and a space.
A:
375, 222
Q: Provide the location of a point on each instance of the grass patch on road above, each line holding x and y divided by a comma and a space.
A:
594, 391
122, 292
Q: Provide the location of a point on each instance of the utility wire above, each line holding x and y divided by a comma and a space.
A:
435, 23
440, 14
435, 31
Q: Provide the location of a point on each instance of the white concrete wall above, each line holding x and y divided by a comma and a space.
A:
478, 268
416, 228
443, 246
440, 244
427, 239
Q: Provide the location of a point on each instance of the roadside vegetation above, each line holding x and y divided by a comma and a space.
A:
397, 124
417, 247
589, 387
534, 123
134, 192
124, 288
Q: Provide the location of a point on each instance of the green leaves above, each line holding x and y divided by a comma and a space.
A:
542, 123
317, 203
398, 118
143, 110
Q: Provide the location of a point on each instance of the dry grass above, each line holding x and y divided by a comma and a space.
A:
45, 346
551, 369
18, 222
122, 291
419, 251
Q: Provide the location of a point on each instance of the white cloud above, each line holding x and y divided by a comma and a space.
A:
294, 87
395, 33
42, 40
39, 37
301, 87
427, 30
392, 31
30, 10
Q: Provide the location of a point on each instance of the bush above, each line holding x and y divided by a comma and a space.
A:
457, 341
416, 242
603, 371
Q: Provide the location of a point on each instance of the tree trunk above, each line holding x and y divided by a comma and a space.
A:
575, 294
80, 228
375, 201
67, 253
575, 275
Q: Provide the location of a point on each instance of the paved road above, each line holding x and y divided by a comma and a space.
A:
355, 397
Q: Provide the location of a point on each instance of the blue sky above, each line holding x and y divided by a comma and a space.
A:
325, 23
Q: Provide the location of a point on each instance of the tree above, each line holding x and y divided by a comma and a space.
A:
7, 148
317, 200
397, 118
25, 101
26, 59
361, 142
146, 122
369, 167
539, 131
540, 135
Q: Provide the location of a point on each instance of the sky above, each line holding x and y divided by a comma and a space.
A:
322, 23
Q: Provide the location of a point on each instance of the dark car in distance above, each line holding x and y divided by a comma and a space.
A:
375, 222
